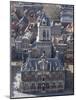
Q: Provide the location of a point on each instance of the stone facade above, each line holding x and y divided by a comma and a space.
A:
42, 73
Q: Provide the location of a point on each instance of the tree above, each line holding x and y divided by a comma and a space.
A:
53, 11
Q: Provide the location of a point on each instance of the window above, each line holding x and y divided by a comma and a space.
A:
33, 86
53, 85
47, 34
47, 85
60, 85
44, 34
44, 23
39, 78
43, 79
39, 86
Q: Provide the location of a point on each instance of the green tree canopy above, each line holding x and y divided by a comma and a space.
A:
52, 11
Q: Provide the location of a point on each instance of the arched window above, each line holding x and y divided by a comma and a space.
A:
44, 34
47, 34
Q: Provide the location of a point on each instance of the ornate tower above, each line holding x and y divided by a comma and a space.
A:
44, 36
43, 73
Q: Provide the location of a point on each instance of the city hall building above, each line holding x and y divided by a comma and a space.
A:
43, 71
